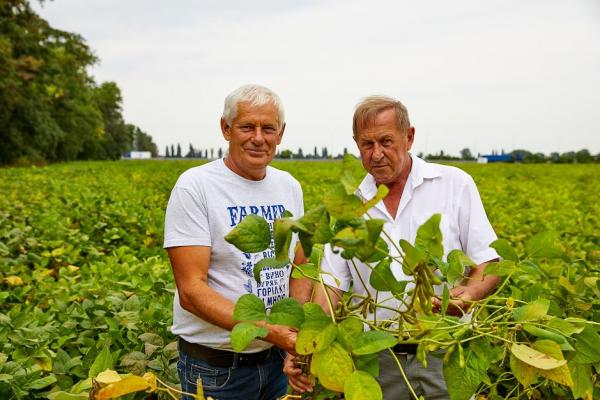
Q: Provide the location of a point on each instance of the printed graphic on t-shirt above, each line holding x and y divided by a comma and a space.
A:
273, 284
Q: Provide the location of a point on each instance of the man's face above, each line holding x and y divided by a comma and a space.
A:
384, 148
253, 137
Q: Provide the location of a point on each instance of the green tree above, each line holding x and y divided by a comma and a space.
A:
465, 154
50, 107
285, 154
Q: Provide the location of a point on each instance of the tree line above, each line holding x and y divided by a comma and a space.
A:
51, 109
581, 157
175, 151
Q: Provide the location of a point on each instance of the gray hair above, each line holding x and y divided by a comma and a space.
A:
256, 95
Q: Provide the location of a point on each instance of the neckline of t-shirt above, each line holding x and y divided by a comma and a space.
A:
246, 181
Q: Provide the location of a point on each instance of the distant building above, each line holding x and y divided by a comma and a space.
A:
490, 158
137, 155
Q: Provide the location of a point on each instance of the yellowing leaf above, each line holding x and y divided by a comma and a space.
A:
561, 374
332, 366
107, 377
129, 384
524, 372
14, 280
535, 358
45, 363
151, 379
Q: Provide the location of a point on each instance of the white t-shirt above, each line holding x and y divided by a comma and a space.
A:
206, 203
430, 189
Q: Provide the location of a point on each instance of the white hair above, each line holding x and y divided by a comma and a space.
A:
256, 95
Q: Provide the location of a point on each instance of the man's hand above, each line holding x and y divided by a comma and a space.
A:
283, 337
297, 380
461, 298
475, 287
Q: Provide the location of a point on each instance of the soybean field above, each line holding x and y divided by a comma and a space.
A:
85, 285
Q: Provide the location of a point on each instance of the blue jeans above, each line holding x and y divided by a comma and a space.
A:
262, 381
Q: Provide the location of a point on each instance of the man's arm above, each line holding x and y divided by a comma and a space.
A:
190, 267
474, 287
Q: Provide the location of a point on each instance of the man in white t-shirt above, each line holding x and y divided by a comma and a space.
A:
206, 203
417, 190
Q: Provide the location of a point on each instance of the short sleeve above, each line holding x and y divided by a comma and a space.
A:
335, 271
186, 220
476, 232
299, 201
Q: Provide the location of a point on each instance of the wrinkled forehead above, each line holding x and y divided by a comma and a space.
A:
250, 110
364, 119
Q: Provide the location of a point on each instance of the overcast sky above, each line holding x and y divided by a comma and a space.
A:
487, 75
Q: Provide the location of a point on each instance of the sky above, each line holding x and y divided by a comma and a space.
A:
485, 75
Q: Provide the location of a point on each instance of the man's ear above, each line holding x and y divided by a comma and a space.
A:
411, 136
281, 134
225, 129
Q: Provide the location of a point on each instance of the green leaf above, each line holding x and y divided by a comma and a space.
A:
267, 263
429, 237
302, 271
544, 245
282, 236
368, 363
362, 386
564, 327
383, 279
244, 333
40, 383
314, 313
341, 205
103, 361
287, 312
249, 308
587, 345
534, 357
500, 268
251, 235
352, 173
374, 227
533, 311
412, 257
583, 386
317, 231
372, 342
382, 191
348, 330
463, 381
315, 337
504, 250
457, 261
332, 367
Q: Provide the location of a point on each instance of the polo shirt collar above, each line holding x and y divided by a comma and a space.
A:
420, 171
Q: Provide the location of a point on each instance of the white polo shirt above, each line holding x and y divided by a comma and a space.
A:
430, 189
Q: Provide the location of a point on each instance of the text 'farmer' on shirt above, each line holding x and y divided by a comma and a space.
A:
268, 212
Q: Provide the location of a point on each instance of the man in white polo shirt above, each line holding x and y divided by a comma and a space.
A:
417, 190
